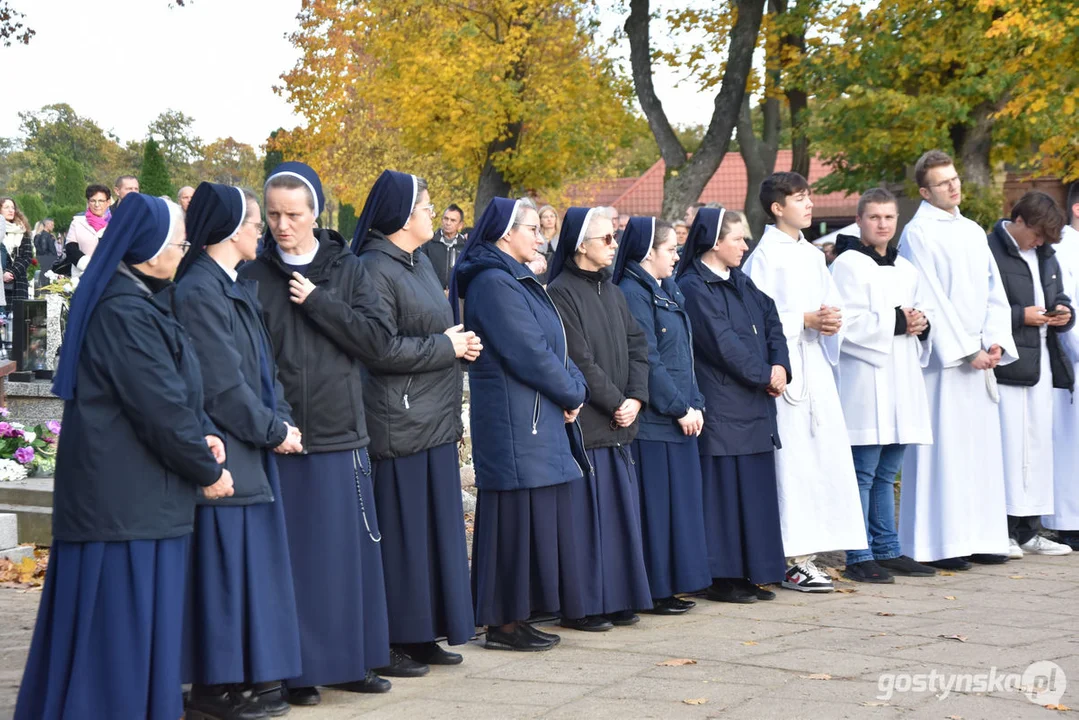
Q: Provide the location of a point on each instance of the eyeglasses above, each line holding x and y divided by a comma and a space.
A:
533, 229
184, 246
99, 202
607, 239
945, 184
260, 226
429, 209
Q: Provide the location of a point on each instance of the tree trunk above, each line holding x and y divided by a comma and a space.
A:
492, 183
760, 160
799, 104
685, 179
973, 142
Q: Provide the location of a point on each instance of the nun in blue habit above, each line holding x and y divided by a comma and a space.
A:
742, 365
612, 352
313, 294
137, 448
413, 401
526, 445
241, 631
672, 523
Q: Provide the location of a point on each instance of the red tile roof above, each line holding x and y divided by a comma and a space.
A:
644, 195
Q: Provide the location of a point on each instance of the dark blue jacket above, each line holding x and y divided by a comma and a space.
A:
224, 321
672, 387
523, 379
134, 449
737, 338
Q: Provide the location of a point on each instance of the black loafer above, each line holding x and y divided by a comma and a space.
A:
867, 571
519, 640
221, 702
667, 606
303, 696
906, 567
683, 603
371, 683
589, 623
270, 697
431, 653
537, 633
724, 590
752, 587
987, 559
623, 618
402, 665
951, 564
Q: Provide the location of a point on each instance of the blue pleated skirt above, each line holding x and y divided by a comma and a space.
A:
424, 555
741, 517
524, 558
241, 624
607, 516
336, 566
108, 637
672, 522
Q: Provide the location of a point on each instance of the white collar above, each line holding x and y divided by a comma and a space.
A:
231, 272
932, 212
780, 236
305, 259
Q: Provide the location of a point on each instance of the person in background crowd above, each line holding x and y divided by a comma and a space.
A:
16, 252
525, 396
550, 226
612, 354
743, 365
885, 346
953, 501
665, 450
45, 248
413, 402
313, 292
138, 447
681, 234
830, 252
241, 636
125, 184
1040, 313
184, 195
86, 230
818, 491
1065, 516
691, 213
445, 247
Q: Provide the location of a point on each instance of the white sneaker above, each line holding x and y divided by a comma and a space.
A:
1014, 551
1040, 545
807, 577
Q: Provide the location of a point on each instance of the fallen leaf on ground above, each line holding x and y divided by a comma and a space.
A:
676, 662
884, 614
695, 701
875, 704
750, 642
949, 597
946, 573
960, 638
816, 676
1058, 708
834, 574
846, 591
1015, 577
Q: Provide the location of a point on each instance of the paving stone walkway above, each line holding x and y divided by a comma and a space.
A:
823, 656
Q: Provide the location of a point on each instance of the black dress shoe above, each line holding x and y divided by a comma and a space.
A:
270, 697
951, 564
402, 666
906, 567
537, 633
682, 602
623, 618
667, 606
519, 640
867, 571
589, 623
987, 559
371, 683
221, 702
725, 590
752, 587
303, 696
431, 653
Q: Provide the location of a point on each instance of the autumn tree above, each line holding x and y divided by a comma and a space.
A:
230, 162
179, 145
154, 176
70, 188
487, 96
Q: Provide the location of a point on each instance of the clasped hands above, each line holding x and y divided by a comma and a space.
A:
778, 383
987, 360
826, 321
223, 487
917, 322
293, 442
692, 423
466, 344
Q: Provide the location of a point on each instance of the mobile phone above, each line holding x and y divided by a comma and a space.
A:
1054, 313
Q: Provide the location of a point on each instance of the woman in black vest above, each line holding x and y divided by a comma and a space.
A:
241, 630
137, 448
611, 350
413, 402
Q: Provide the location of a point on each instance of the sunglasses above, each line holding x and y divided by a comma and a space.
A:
607, 239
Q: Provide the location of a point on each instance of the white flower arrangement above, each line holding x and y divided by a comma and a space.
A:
11, 471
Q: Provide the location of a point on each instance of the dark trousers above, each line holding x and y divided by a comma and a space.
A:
1023, 528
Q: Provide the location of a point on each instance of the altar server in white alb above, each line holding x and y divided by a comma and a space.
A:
819, 505
952, 504
1041, 311
1065, 516
885, 346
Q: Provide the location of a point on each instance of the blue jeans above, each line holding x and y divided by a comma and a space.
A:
876, 467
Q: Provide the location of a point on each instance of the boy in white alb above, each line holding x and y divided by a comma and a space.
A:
819, 505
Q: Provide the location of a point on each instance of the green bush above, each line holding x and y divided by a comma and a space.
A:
70, 183
346, 221
984, 205
62, 214
32, 206
154, 176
